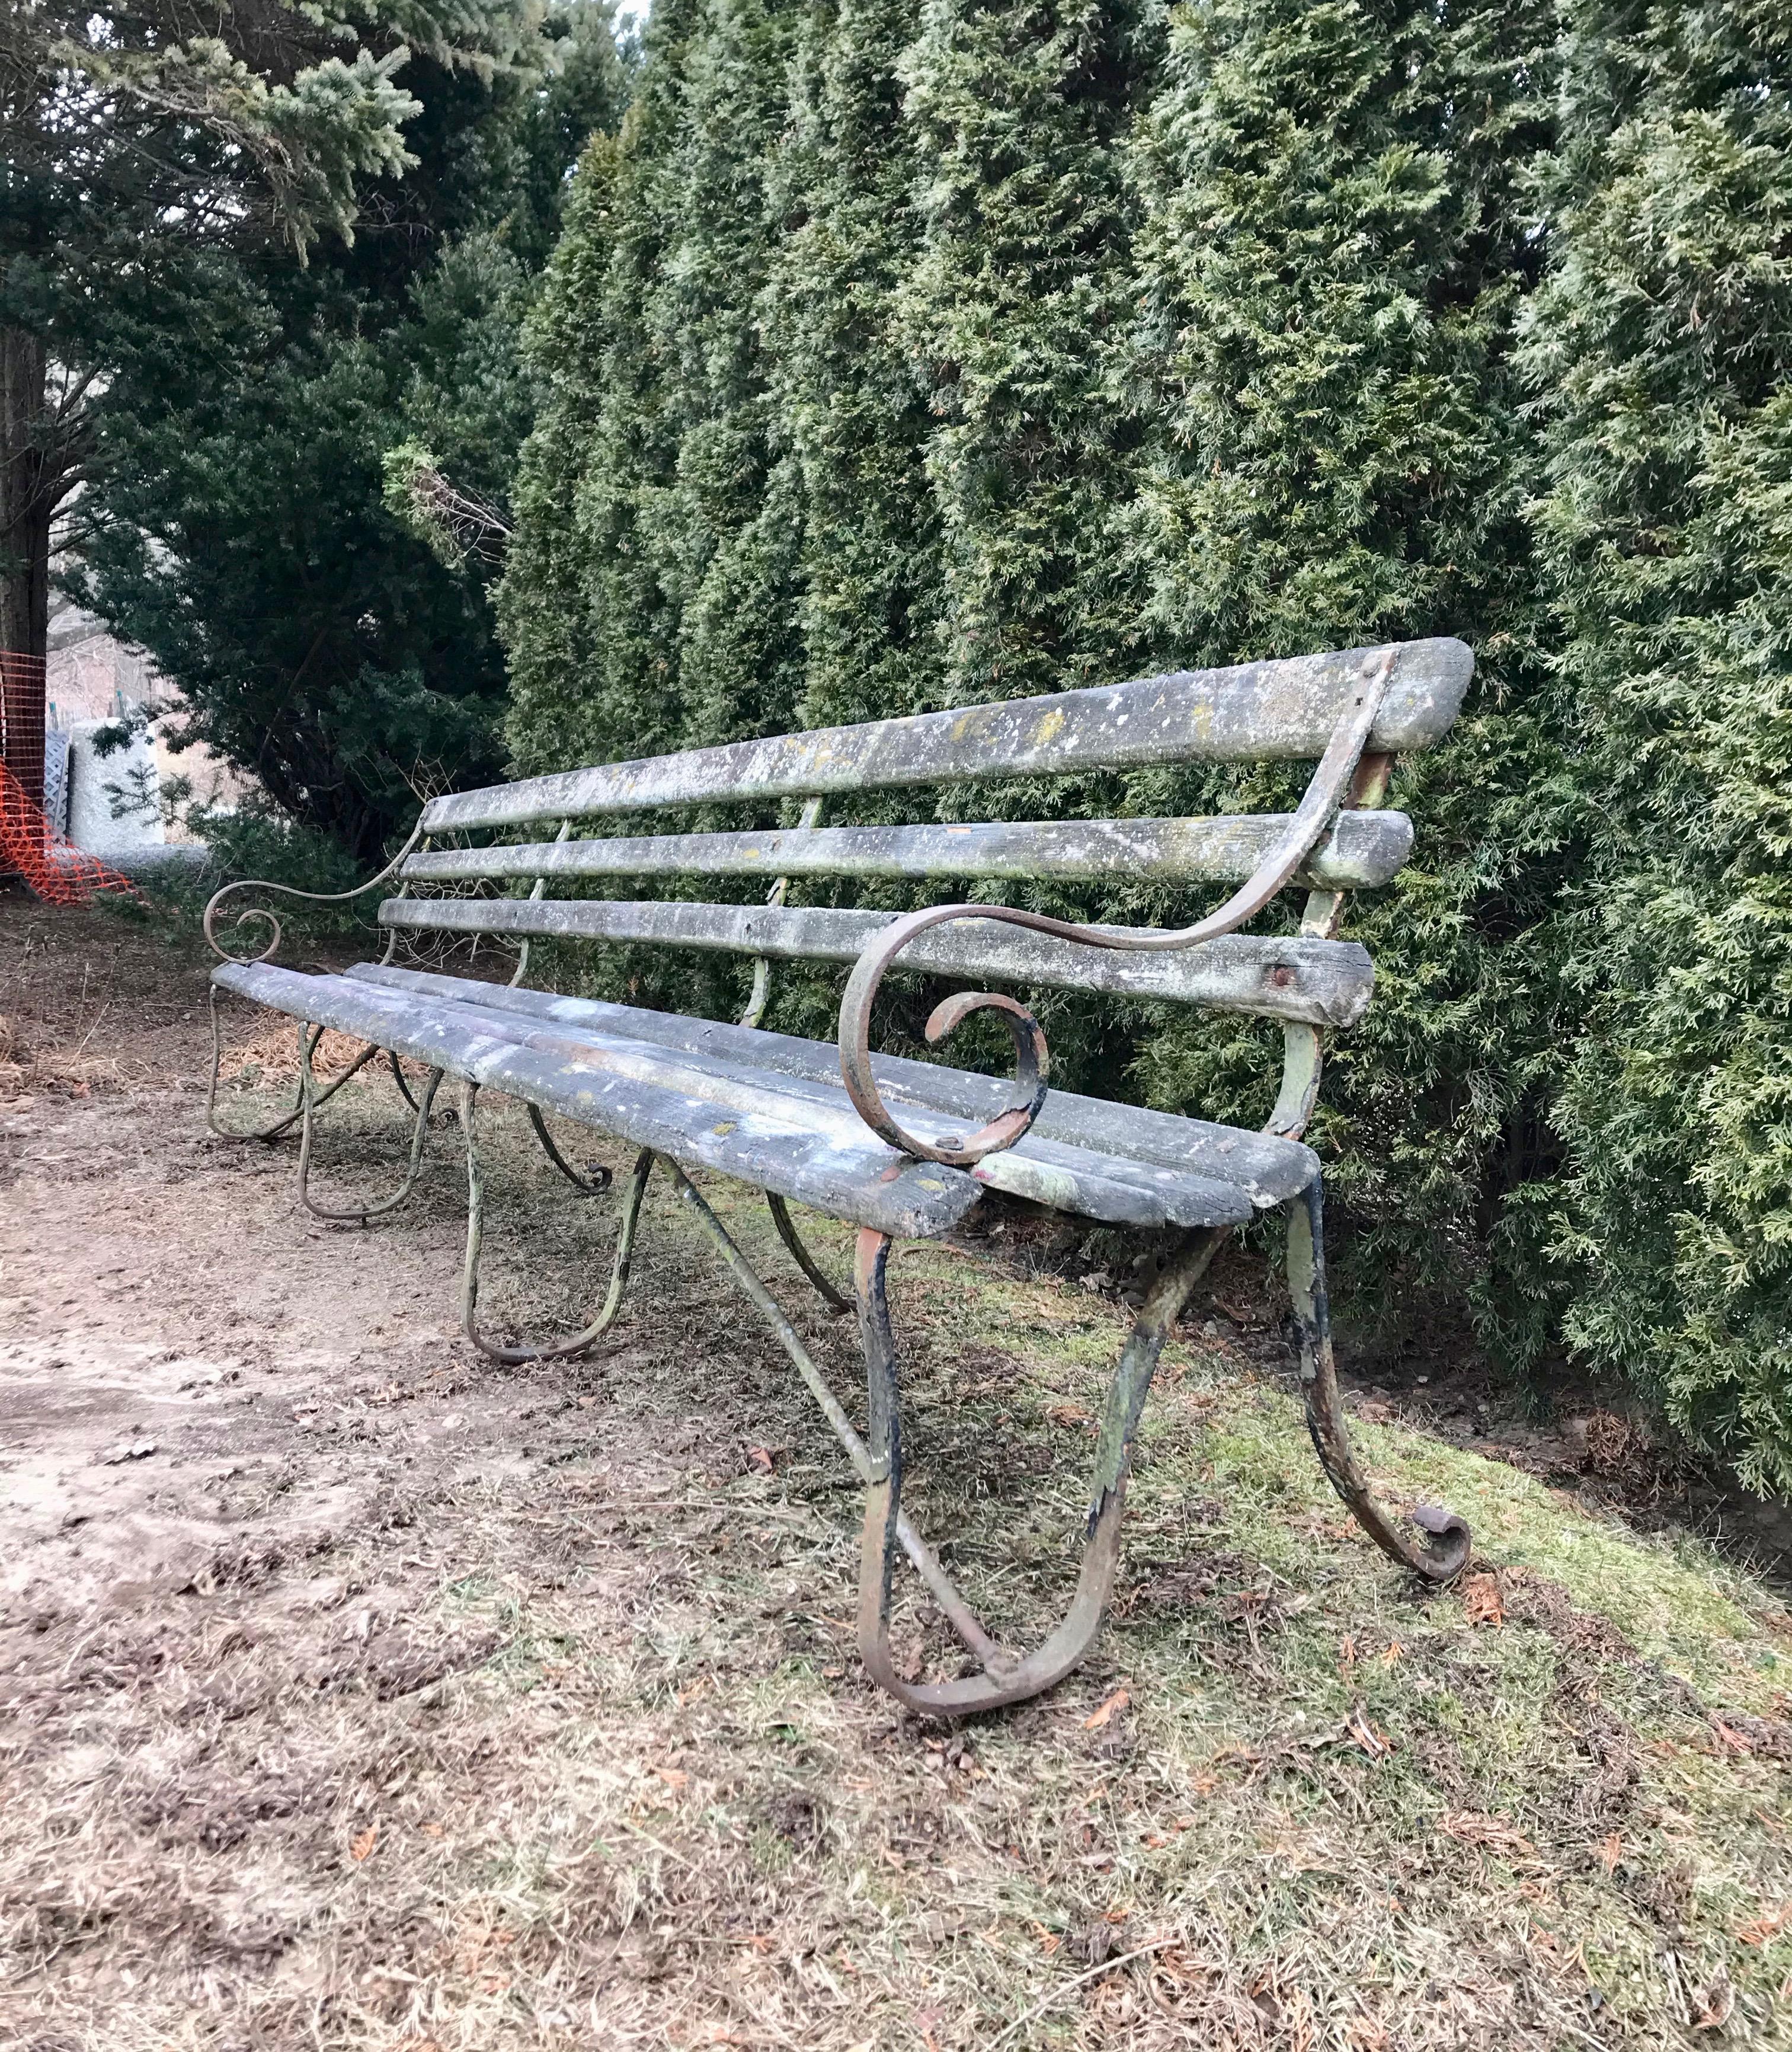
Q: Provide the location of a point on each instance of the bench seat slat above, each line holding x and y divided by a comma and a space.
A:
1364, 849
639, 1089
1279, 708
1267, 1170
856, 1177
1323, 983
1114, 1190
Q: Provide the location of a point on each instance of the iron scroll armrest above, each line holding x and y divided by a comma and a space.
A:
288, 890
1317, 808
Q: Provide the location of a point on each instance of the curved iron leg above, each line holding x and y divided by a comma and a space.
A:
558, 1349
1006, 1682
958, 1612
310, 1101
315, 1033
1444, 1551
800, 1255
591, 1187
399, 1078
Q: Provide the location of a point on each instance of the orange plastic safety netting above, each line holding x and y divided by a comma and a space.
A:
59, 873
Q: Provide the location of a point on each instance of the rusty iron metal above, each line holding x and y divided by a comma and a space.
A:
806, 823
590, 1186
269, 919
939, 1583
1442, 1552
576, 1343
309, 1101
287, 1120
1008, 1678
834, 1299
1318, 806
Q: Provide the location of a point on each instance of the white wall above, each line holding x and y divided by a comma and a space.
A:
131, 769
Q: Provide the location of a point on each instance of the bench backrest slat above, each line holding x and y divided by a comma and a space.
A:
1324, 983
1284, 708
1361, 850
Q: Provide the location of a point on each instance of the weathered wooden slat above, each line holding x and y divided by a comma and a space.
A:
1284, 708
1110, 1189
1323, 983
858, 1178
1267, 1169
1361, 850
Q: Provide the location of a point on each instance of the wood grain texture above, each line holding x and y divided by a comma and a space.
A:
1284, 708
1324, 983
1361, 850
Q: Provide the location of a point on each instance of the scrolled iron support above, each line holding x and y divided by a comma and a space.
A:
309, 1102
1005, 1679
957, 1612
1330, 785
1442, 1552
288, 1119
399, 1078
270, 919
839, 1304
580, 1342
589, 1186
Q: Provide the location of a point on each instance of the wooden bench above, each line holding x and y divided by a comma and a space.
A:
905, 1149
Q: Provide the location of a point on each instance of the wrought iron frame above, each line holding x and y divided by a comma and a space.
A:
1346, 775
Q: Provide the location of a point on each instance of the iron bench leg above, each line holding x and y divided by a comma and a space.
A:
579, 1342
957, 1611
1009, 1681
837, 1303
306, 1033
592, 1186
1444, 1551
310, 1098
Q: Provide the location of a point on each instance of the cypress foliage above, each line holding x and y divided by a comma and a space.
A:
1333, 256
1662, 346
650, 600
855, 411
649, 603
1014, 314
901, 352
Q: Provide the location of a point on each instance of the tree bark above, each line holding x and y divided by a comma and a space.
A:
32, 475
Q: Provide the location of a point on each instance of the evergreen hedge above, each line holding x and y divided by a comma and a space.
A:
901, 352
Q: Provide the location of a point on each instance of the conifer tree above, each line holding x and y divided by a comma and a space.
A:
1013, 314
1332, 255
657, 444
1661, 348
852, 405
237, 527
136, 135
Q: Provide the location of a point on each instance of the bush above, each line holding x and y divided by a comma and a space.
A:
907, 352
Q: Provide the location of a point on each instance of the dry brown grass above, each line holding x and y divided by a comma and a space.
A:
27, 1066
268, 1056
470, 1710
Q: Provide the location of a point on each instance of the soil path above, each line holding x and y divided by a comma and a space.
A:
358, 1693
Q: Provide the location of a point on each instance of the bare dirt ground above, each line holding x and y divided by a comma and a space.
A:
355, 1692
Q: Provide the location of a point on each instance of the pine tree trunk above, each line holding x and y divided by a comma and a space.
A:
28, 494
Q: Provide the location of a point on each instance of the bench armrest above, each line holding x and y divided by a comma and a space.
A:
1318, 807
268, 918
